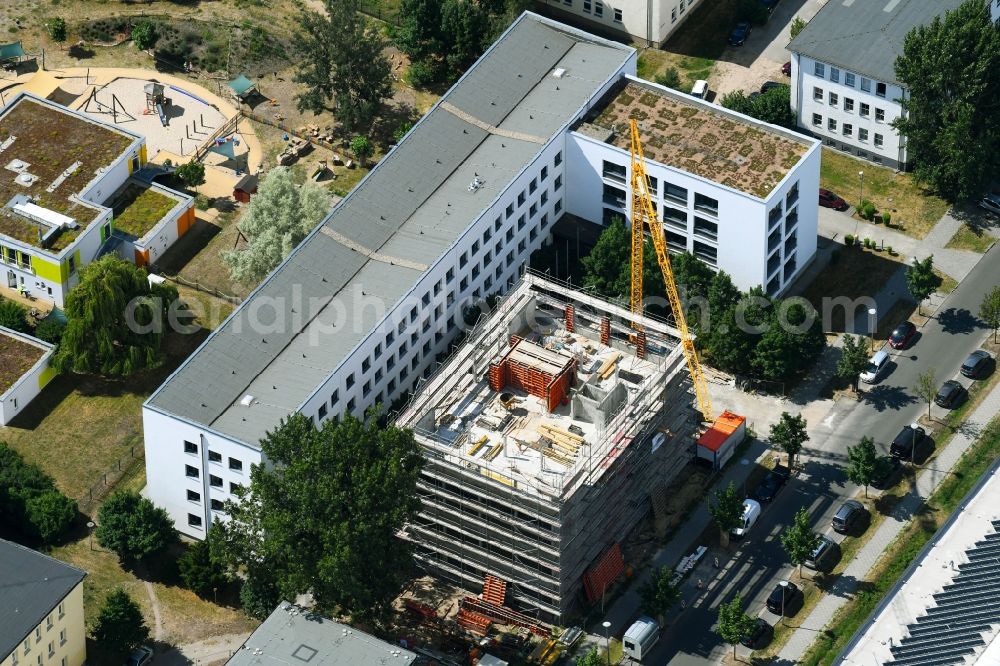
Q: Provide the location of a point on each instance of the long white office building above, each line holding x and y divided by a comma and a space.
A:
648, 22
373, 297
844, 85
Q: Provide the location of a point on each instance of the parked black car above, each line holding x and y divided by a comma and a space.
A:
908, 442
823, 556
772, 483
740, 33
760, 636
974, 366
886, 469
791, 593
848, 515
768, 85
950, 394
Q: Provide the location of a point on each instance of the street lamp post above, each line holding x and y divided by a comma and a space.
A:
90, 528
861, 196
607, 639
872, 323
784, 593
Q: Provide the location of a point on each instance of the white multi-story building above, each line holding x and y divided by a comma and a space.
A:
68, 194
648, 22
373, 297
844, 85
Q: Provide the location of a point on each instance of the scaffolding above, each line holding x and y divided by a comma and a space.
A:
540, 521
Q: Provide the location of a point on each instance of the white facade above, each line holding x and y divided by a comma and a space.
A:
650, 22
30, 384
848, 111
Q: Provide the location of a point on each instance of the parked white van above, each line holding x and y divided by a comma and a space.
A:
700, 89
751, 512
876, 366
640, 638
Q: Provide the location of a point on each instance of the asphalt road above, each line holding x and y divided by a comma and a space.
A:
821, 484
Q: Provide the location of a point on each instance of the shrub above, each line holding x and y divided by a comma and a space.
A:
867, 210
888, 249
849, 240
50, 330
422, 74
670, 78
14, 316
886, 217
144, 35
29, 501
868, 243
132, 527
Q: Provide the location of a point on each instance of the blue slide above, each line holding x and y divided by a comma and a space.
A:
163, 116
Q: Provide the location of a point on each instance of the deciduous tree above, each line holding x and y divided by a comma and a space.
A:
362, 149
726, 510
989, 310
419, 33
144, 34
116, 320
591, 657
604, 265
201, 567
277, 219
658, 594
797, 25
192, 173
464, 27
13, 316
56, 27
734, 625
926, 388
322, 517
853, 359
799, 540
920, 279
50, 514
343, 62
950, 68
789, 434
863, 463
30, 504
119, 627
132, 527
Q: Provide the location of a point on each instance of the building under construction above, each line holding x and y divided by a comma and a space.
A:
546, 434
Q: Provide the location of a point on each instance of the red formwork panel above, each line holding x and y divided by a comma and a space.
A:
600, 577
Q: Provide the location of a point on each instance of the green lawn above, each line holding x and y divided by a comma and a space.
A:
914, 210
967, 238
852, 273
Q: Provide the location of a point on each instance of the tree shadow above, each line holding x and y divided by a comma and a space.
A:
884, 397
81, 52
958, 320
976, 219
393, 117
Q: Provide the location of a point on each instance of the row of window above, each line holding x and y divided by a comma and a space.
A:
214, 456
864, 109
596, 7
819, 69
673, 193
15, 257
49, 624
679, 10
847, 129
394, 347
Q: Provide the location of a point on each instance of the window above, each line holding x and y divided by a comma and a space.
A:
350, 377
510, 211
831, 123
675, 218
835, 75
27, 645
214, 481
72, 265
216, 505
544, 221
234, 487
706, 204
848, 79
864, 110
190, 447
586, 6
818, 94
862, 134
558, 183
62, 610
533, 211
614, 196
62, 637
682, 6
598, 9
214, 456
38, 634
848, 129
52, 649
866, 84
193, 496
676, 241
705, 228
568, 3
817, 120
426, 298
615, 172
191, 472
848, 104
834, 98
521, 198
618, 16
879, 89
673, 15
675, 193
334, 398
449, 277
558, 159
654, 186
237, 465
366, 364
793, 195
774, 261
879, 115
193, 520
774, 215
48, 622
878, 140
558, 207
544, 198
819, 69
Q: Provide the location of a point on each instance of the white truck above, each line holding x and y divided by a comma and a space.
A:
640, 638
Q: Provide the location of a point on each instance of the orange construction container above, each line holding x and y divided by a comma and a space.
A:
718, 443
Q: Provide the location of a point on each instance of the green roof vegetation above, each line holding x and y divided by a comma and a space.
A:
138, 209
16, 358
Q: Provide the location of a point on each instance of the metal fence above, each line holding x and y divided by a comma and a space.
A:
110, 478
204, 288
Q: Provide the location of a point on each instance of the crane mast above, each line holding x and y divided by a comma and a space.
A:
643, 217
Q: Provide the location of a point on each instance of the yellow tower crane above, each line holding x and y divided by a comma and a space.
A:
643, 217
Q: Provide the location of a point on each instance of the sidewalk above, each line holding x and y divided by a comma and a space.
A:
860, 567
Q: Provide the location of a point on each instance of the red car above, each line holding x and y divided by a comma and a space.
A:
828, 199
902, 335
786, 69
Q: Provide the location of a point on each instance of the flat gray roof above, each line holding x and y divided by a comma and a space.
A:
31, 585
291, 635
414, 205
865, 36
